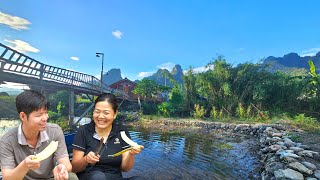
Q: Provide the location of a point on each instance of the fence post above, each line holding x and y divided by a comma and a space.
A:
71, 109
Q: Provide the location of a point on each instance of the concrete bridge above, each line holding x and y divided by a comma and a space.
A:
19, 68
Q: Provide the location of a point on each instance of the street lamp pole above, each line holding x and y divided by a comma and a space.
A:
102, 56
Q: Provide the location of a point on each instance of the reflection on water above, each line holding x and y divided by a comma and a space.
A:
191, 157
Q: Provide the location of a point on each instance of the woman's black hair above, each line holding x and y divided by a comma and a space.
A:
30, 100
110, 98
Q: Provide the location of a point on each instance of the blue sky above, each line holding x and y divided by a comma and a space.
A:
141, 36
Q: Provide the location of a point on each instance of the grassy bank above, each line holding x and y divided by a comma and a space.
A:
300, 121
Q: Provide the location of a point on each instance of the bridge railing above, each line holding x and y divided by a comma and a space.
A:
15, 62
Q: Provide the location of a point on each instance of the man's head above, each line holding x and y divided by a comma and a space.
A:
30, 101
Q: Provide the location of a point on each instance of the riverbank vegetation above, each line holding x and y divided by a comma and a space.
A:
246, 93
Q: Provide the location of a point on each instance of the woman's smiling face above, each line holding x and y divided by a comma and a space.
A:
103, 114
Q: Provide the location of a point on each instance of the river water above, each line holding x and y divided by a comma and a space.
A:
174, 156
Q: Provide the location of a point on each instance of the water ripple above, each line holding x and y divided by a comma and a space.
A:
178, 157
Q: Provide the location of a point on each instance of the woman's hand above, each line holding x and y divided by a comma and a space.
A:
136, 150
128, 158
92, 158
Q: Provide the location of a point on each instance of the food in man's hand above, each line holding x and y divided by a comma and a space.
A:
48, 151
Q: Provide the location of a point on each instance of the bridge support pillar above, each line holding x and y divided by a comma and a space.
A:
71, 109
45, 93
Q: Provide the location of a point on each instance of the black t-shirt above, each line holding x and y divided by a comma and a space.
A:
86, 140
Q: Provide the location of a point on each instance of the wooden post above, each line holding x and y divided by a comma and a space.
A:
45, 92
71, 110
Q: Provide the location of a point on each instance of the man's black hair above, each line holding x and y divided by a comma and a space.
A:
30, 101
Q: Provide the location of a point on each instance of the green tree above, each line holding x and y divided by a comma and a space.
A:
214, 84
59, 102
176, 98
147, 88
190, 90
313, 81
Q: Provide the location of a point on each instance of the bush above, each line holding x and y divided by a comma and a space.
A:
63, 122
165, 109
149, 108
248, 112
240, 111
214, 113
7, 99
53, 116
221, 115
128, 116
306, 122
199, 111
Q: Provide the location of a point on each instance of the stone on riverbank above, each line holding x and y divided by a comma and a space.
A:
288, 174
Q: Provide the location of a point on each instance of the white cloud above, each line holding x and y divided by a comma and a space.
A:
169, 66
240, 49
117, 34
310, 52
13, 22
14, 85
145, 74
199, 69
74, 58
98, 76
22, 46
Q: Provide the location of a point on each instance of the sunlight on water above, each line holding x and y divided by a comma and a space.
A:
5, 125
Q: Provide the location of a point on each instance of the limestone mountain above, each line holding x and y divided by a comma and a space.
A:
163, 76
292, 61
177, 73
112, 76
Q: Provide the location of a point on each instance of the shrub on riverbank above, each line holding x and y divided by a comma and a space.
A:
300, 121
63, 122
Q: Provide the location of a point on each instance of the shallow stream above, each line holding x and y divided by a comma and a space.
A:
176, 156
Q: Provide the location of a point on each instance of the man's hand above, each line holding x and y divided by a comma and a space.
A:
31, 162
60, 172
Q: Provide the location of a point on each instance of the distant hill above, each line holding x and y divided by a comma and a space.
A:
286, 63
292, 61
161, 76
112, 76
10, 91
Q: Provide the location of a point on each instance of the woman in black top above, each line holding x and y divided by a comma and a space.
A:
91, 165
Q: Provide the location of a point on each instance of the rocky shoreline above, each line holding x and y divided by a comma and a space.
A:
280, 156
283, 158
